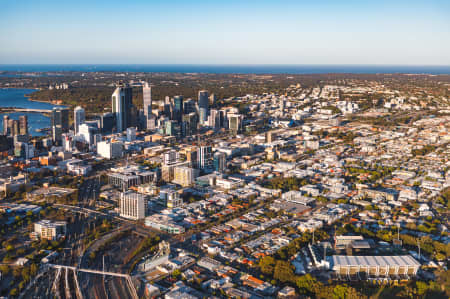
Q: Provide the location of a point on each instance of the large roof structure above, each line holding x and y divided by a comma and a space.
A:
373, 261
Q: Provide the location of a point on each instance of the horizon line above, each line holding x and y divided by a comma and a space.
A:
238, 64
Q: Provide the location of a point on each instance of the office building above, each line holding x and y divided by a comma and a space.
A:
79, 118
151, 122
107, 122
203, 115
131, 134
87, 132
23, 150
168, 171
5, 124
12, 128
220, 162
189, 106
212, 99
177, 108
59, 123
184, 176
171, 157
205, 157
122, 102
189, 124
270, 136
110, 150
192, 156
163, 223
23, 125
172, 128
132, 205
171, 198
50, 230
147, 99
235, 122
203, 106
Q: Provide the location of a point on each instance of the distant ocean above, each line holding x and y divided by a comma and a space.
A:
224, 69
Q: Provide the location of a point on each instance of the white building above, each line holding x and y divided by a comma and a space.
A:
171, 198
184, 176
205, 157
87, 133
132, 205
50, 230
131, 134
78, 118
78, 167
147, 99
171, 157
110, 150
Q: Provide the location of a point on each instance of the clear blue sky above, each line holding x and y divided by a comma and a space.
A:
225, 32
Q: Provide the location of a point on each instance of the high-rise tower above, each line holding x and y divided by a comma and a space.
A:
203, 105
78, 118
147, 99
23, 125
121, 106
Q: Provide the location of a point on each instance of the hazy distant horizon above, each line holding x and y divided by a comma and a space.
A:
232, 68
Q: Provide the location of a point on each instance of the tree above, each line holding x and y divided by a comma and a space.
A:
13, 292
4, 269
421, 288
307, 284
283, 271
176, 273
267, 265
33, 269
340, 292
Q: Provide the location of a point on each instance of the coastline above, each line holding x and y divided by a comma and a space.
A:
29, 97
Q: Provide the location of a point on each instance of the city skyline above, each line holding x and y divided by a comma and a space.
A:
248, 32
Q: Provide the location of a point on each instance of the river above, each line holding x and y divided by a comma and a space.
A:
14, 97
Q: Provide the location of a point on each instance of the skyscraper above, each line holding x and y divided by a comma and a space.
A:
178, 108
60, 117
121, 106
205, 157
189, 124
203, 105
5, 124
78, 118
147, 99
212, 99
60, 123
220, 162
23, 125
13, 127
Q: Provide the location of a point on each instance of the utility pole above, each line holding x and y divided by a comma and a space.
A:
103, 269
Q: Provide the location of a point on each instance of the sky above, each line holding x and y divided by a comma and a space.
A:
225, 32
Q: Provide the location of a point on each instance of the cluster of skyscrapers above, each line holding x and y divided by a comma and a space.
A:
176, 116
14, 127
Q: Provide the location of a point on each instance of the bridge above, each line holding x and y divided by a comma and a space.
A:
13, 109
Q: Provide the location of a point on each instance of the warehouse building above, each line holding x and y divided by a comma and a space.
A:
374, 267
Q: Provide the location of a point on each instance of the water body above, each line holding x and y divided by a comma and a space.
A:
11, 97
223, 69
